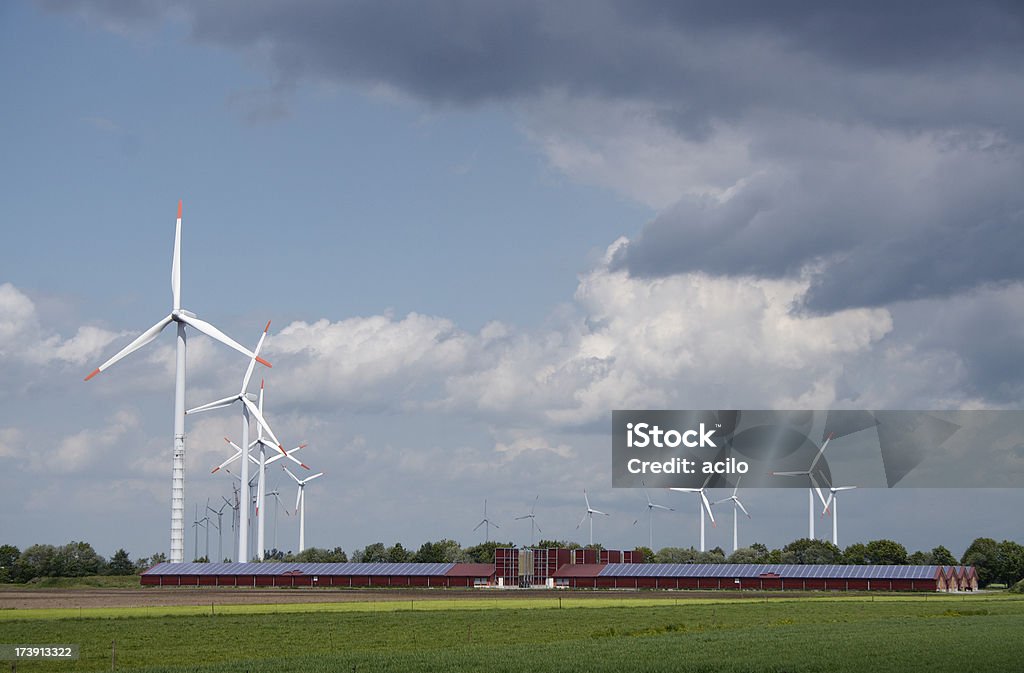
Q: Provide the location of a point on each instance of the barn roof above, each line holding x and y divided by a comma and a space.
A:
346, 569
783, 571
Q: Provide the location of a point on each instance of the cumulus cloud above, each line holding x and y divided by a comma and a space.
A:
23, 338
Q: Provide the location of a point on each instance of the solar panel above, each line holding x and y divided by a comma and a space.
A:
365, 569
784, 571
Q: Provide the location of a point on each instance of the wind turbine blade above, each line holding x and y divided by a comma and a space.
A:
742, 508
252, 365
539, 530
790, 474
719, 502
820, 453
844, 488
582, 520
667, 509
479, 524
227, 462
532, 507
646, 494
298, 498
309, 479
176, 264
827, 504
297, 480
597, 511
209, 406
685, 490
587, 499
214, 333
262, 421
139, 342
495, 525
817, 488
736, 490
520, 518
707, 506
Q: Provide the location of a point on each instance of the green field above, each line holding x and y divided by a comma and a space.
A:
976, 633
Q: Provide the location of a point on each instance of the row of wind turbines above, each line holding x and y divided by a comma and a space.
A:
266, 439
704, 509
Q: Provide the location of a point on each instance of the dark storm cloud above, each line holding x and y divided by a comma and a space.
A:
817, 88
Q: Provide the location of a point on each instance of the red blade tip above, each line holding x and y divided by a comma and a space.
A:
263, 362
267, 328
304, 465
214, 470
94, 373
179, 209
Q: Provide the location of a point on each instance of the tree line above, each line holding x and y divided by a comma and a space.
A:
996, 562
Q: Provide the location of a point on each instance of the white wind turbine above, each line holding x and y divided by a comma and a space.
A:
181, 318
533, 519
300, 504
833, 501
248, 408
650, 514
486, 523
814, 486
703, 505
589, 515
736, 506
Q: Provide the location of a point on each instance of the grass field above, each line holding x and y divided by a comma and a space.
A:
897, 633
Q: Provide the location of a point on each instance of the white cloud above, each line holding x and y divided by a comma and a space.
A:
22, 337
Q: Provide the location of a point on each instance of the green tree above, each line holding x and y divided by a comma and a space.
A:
484, 552
886, 553
647, 552
806, 552
9, 555
557, 544
856, 554
676, 555
746, 555
920, 558
1010, 562
983, 554
373, 553
942, 557
39, 560
398, 554
121, 564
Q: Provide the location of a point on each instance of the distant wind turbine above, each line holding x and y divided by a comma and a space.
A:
650, 514
703, 505
486, 523
533, 519
736, 506
589, 515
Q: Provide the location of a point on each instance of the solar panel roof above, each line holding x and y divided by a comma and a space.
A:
758, 570
372, 569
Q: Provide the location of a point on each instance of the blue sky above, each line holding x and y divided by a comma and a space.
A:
478, 230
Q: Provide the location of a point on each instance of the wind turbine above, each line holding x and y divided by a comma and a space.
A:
833, 500
487, 523
702, 505
276, 494
220, 527
300, 504
181, 318
533, 519
736, 506
590, 514
248, 408
650, 513
198, 523
814, 487
262, 464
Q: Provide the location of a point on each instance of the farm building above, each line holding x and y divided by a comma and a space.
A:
567, 569
320, 574
765, 577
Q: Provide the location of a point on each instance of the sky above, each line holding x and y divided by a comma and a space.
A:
480, 227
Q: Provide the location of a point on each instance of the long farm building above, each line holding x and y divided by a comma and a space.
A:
561, 569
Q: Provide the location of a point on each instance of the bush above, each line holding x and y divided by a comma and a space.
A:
1017, 588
